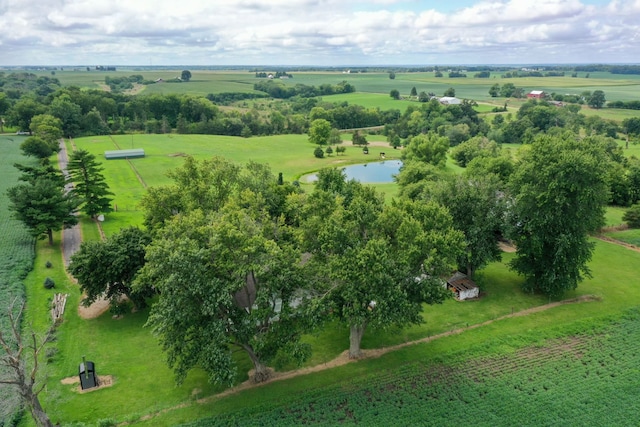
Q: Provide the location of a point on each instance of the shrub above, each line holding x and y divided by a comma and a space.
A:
49, 283
632, 216
329, 151
318, 152
48, 264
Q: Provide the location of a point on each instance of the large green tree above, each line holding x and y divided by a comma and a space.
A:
225, 261
108, 268
597, 99
89, 184
228, 281
476, 204
428, 148
43, 206
378, 264
559, 192
319, 131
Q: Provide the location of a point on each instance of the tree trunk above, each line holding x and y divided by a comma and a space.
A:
50, 235
261, 371
355, 338
469, 271
39, 415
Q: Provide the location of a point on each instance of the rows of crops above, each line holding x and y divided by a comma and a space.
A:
584, 380
16, 246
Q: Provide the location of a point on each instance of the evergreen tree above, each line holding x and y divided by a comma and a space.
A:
90, 186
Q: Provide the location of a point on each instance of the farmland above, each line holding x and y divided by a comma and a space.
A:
203, 82
481, 375
532, 386
16, 245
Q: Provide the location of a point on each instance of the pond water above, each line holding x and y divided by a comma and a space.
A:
375, 172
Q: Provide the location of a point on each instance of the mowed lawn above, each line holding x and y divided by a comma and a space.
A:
290, 154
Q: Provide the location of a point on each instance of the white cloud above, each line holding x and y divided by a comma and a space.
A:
315, 31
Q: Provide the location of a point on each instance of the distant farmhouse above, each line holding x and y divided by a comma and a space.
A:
450, 100
536, 94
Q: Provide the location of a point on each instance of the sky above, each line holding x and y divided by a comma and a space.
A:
318, 32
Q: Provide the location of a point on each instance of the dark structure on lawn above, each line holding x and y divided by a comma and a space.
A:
87, 373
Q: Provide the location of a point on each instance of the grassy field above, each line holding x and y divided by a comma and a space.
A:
143, 385
290, 154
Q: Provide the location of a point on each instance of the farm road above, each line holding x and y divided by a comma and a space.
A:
71, 237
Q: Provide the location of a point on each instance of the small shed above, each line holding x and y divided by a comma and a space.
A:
463, 287
87, 373
124, 154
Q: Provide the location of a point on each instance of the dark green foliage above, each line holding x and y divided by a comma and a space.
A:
36, 147
395, 94
90, 187
43, 207
49, 283
559, 190
108, 268
48, 264
185, 76
632, 216
318, 152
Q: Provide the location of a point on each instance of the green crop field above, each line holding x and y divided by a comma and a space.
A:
533, 386
16, 245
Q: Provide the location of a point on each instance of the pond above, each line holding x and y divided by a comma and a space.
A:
375, 172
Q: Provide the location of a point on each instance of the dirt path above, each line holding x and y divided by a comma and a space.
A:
70, 243
617, 242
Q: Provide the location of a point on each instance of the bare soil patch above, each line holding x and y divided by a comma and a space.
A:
95, 310
506, 247
104, 381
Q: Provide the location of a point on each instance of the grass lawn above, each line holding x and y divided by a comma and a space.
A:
290, 154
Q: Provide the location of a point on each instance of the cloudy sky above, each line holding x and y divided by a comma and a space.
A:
318, 32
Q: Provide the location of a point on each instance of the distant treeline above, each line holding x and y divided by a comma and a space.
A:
277, 89
613, 69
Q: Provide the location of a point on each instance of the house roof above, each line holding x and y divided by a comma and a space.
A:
536, 92
450, 100
460, 282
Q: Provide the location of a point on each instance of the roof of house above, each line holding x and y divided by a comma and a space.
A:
450, 100
536, 92
460, 282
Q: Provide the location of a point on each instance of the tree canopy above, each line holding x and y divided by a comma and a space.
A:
227, 269
43, 207
559, 192
108, 268
377, 264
